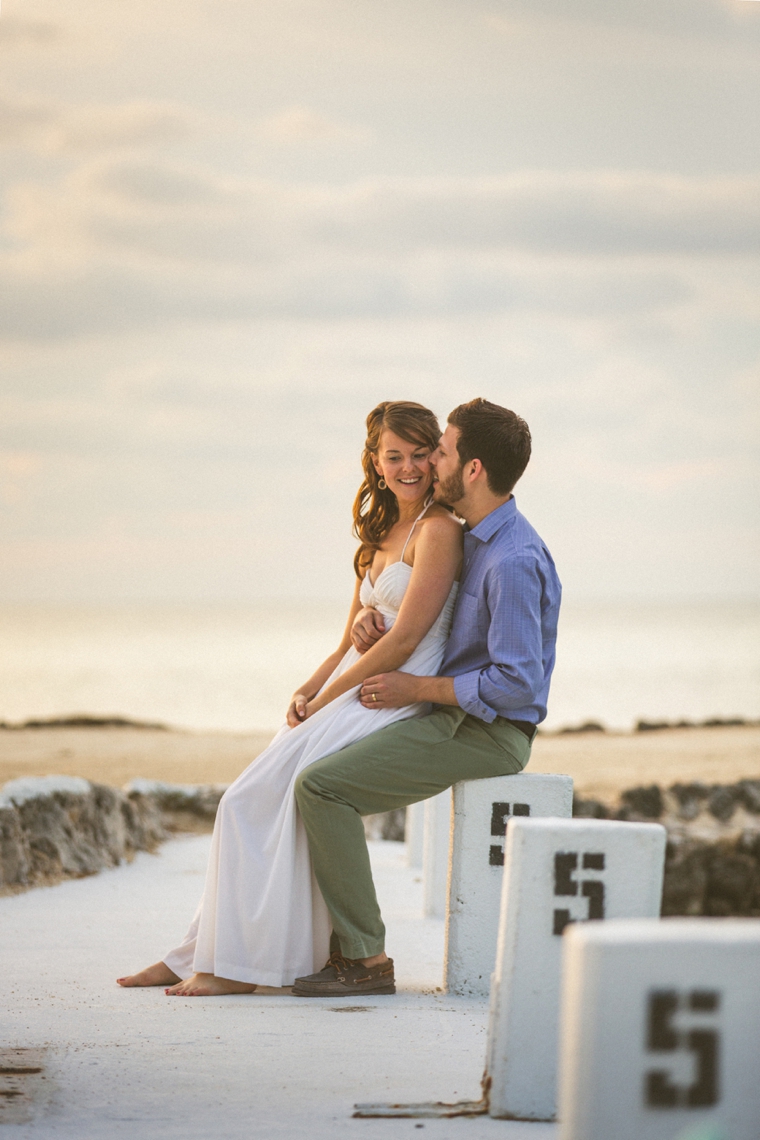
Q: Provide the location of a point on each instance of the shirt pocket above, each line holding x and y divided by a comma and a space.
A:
472, 616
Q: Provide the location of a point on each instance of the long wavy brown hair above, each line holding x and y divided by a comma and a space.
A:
376, 507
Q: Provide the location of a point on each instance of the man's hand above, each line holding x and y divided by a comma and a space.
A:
368, 627
297, 710
390, 690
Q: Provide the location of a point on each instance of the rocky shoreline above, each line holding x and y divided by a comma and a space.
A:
651, 725
712, 864
64, 827
91, 720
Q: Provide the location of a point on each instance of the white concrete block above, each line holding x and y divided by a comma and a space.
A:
482, 810
661, 1030
414, 833
435, 859
557, 872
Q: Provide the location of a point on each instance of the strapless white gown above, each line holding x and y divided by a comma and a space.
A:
262, 918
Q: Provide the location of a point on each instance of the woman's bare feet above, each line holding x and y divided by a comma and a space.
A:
208, 985
157, 975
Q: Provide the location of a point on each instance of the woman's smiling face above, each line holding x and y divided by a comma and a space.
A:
405, 466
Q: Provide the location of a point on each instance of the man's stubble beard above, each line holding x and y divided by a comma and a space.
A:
451, 490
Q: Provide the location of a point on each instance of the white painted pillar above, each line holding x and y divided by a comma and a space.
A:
661, 1030
414, 833
557, 873
482, 809
435, 861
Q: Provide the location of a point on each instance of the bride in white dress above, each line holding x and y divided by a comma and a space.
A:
262, 919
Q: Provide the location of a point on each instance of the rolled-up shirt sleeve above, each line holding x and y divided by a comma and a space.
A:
515, 673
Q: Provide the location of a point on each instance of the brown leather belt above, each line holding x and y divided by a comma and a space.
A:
523, 726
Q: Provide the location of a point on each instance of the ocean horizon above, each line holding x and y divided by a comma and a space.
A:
233, 666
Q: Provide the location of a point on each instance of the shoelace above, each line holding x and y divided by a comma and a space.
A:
341, 964
337, 960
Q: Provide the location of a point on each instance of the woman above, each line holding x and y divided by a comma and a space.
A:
262, 920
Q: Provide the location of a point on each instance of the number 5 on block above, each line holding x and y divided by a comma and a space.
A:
660, 1032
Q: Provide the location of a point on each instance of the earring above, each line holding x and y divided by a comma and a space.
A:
382, 484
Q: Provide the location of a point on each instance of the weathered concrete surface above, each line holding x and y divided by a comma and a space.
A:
128, 1063
620, 976
481, 809
557, 872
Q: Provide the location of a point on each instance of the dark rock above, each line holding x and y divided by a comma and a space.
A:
181, 807
589, 726
690, 798
394, 825
589, 809
55, 828
713, 722
733, 883
723, 801
748, 793
14, 851
71, 834
642, 803
686, 877
718, 879
386, 825
749, 844
144, 822
81, 720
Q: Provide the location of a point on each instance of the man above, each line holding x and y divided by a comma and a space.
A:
490, 694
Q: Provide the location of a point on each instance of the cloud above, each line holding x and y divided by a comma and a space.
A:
151, 206
17, 30
22, 119
298, 125
130, 242
545, 212
59, 128
679, 25
139, 123
16, 469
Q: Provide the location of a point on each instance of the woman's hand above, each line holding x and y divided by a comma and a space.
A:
389, 690
396, 689
368, 627
297, 710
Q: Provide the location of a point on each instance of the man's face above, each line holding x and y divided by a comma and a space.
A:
447, 468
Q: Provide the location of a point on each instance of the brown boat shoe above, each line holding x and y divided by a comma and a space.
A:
343, 977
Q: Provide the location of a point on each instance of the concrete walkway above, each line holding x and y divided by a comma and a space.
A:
134, 1063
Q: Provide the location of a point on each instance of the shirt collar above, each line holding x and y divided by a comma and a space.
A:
494, 521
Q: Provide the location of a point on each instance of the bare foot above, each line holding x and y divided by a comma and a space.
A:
156, 975
208, 985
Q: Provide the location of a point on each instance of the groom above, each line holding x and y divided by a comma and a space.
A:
489, 696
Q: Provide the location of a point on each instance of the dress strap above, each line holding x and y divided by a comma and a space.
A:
411, 532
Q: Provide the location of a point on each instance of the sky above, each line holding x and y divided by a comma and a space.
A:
229, 229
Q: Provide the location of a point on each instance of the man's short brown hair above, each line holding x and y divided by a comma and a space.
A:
500, 439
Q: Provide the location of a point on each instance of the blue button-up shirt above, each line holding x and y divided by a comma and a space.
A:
501, 648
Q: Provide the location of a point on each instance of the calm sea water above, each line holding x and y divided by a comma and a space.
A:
235, 666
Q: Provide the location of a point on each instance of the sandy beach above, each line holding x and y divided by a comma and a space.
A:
602, 764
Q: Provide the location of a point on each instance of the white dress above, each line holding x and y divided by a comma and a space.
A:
262, 918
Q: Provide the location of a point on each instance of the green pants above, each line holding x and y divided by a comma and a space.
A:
399, 765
